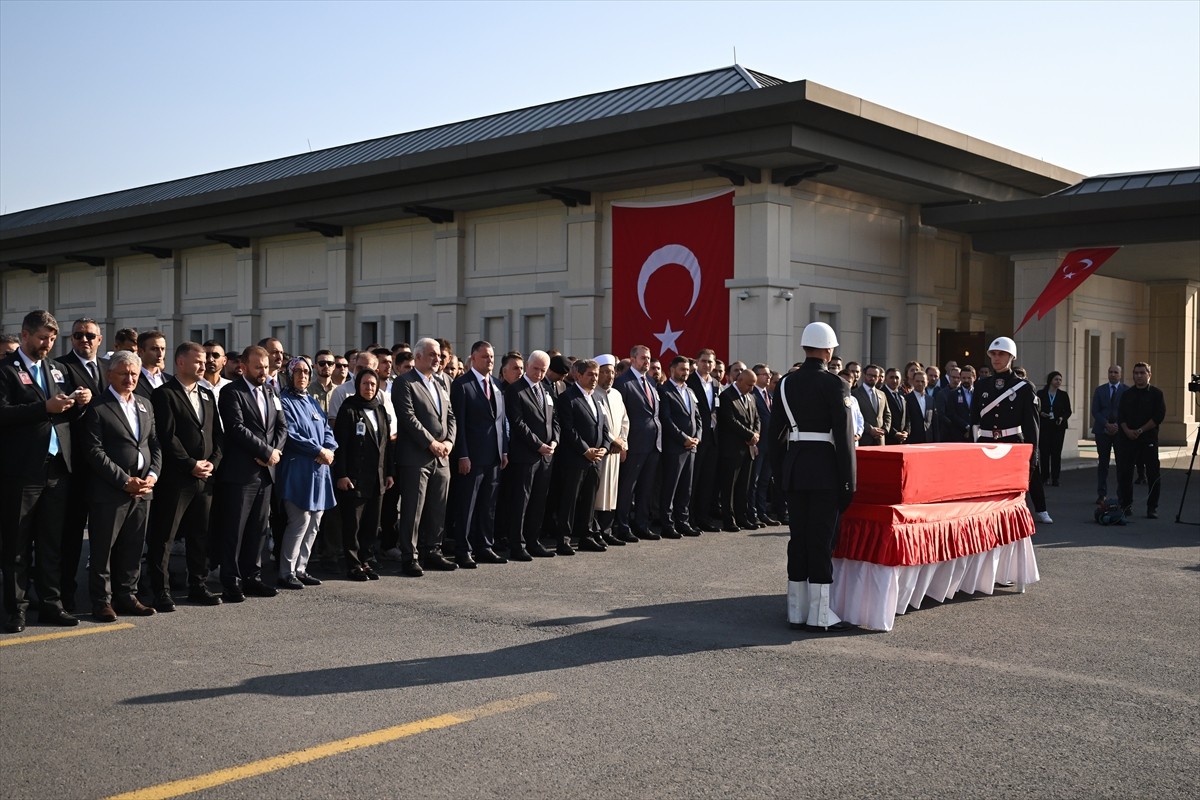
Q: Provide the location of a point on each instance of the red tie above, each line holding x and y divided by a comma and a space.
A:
646, 386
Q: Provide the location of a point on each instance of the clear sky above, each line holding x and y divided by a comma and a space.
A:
98, 96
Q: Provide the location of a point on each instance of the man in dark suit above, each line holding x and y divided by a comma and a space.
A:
255, 432
897, 432
955, 425
38, 401
424, 442
636, 482
707, 390
683, 430
585, 439
88, 370
533, 437
123, 451
190, 435
874, 407
152, 350
920, 412
738, 443
1106, 401
480, 452
758, 497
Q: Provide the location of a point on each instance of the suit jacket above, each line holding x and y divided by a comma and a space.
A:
922, 427
1104, 411
144, 388
24, 424
677, 420
707, 412
898, 407
184, 439
80, 374
530, 423
1054, 415
113, 448
645, 429
764, 417
878, 417
955, 425
246, 436
482, 430
738, 421
363, 458
580, 427
420, 422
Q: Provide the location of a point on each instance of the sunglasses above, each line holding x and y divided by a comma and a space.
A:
325, 363
342, 364
79, 336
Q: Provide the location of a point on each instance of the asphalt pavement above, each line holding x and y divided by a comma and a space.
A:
657, 670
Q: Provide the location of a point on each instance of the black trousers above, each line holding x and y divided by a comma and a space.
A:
1050, 444
675, 500
360, 522
576, 500
813, 519
244, 512
531, 483
735, 473
474, 499
116, 535
32, 516
75, 519
1132, 453
704, 478
635, 487
180, 508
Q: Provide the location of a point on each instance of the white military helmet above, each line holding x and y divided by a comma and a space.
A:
1004, 345
819, 336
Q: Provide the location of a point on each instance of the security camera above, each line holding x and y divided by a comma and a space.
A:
787, 295
744, 294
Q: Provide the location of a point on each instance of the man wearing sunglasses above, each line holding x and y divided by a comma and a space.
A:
87, 369
322, 383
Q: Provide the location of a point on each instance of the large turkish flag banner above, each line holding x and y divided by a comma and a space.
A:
670, 264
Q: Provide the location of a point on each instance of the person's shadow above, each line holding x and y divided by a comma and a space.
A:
625, 634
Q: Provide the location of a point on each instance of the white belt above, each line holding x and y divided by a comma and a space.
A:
997, 434
808, 436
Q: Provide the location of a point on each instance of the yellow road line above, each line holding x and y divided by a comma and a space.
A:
254, 768
45, 637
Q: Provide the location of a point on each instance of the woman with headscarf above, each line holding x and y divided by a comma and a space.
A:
362, 471
1055, 411
305, 483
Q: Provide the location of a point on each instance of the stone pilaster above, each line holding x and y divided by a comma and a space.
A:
1173, 358
583, 300
245, 316
449, 304
337, 315
763, 296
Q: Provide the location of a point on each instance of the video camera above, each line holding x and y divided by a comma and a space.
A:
1194, 384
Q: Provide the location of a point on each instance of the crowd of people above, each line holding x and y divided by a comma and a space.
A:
268, 467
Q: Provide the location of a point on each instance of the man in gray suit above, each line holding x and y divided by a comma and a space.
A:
123, 451
425, 438
874, 407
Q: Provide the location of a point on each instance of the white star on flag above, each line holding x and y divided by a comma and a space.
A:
666, 340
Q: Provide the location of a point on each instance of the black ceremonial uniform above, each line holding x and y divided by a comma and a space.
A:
1013, 419
814, 464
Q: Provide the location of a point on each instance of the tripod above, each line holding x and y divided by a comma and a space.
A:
1187, 480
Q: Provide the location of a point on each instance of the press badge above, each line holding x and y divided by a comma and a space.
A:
57, 375
26, 380
360, 428
278, 405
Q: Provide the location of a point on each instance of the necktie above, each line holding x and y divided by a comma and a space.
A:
487, 392
91, 368
262, 404
1112, 393
767, 397
40, 377
649, 397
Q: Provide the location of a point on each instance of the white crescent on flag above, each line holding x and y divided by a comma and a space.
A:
669, 254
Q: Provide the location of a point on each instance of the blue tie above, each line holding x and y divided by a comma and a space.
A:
41, 379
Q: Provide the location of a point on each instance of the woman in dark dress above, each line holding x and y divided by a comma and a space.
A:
1055, 411
362, 471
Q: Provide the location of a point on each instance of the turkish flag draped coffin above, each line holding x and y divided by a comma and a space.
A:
935, 473
670, 264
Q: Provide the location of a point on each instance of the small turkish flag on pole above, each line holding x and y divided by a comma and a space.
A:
670, 264
1076, 268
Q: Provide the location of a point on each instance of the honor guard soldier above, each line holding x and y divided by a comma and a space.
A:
812, 450
1004, 409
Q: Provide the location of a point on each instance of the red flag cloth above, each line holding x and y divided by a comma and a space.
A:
1076, 268
670, 264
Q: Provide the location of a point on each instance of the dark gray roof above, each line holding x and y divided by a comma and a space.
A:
702, 86
1133, 180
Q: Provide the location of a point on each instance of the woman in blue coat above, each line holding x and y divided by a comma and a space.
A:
304, 479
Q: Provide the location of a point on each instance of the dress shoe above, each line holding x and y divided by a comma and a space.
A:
647, 536
289, 582
257, 588
626, 536
57, 616
202, 596
164, 603
784, 519
16, 622
489, 556
412, 569
840, 626
771, 522
1152, 513
103, 612
730, 526
564, 548
357, 574
133, 608
684, 529
591, 545
519, 554
669, 532
611, 541
538, 551
369, 568
233, 594
466, 562
307, 580
438, 563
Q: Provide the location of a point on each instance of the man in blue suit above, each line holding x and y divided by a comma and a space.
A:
636, 482
1105, 402
480, 452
